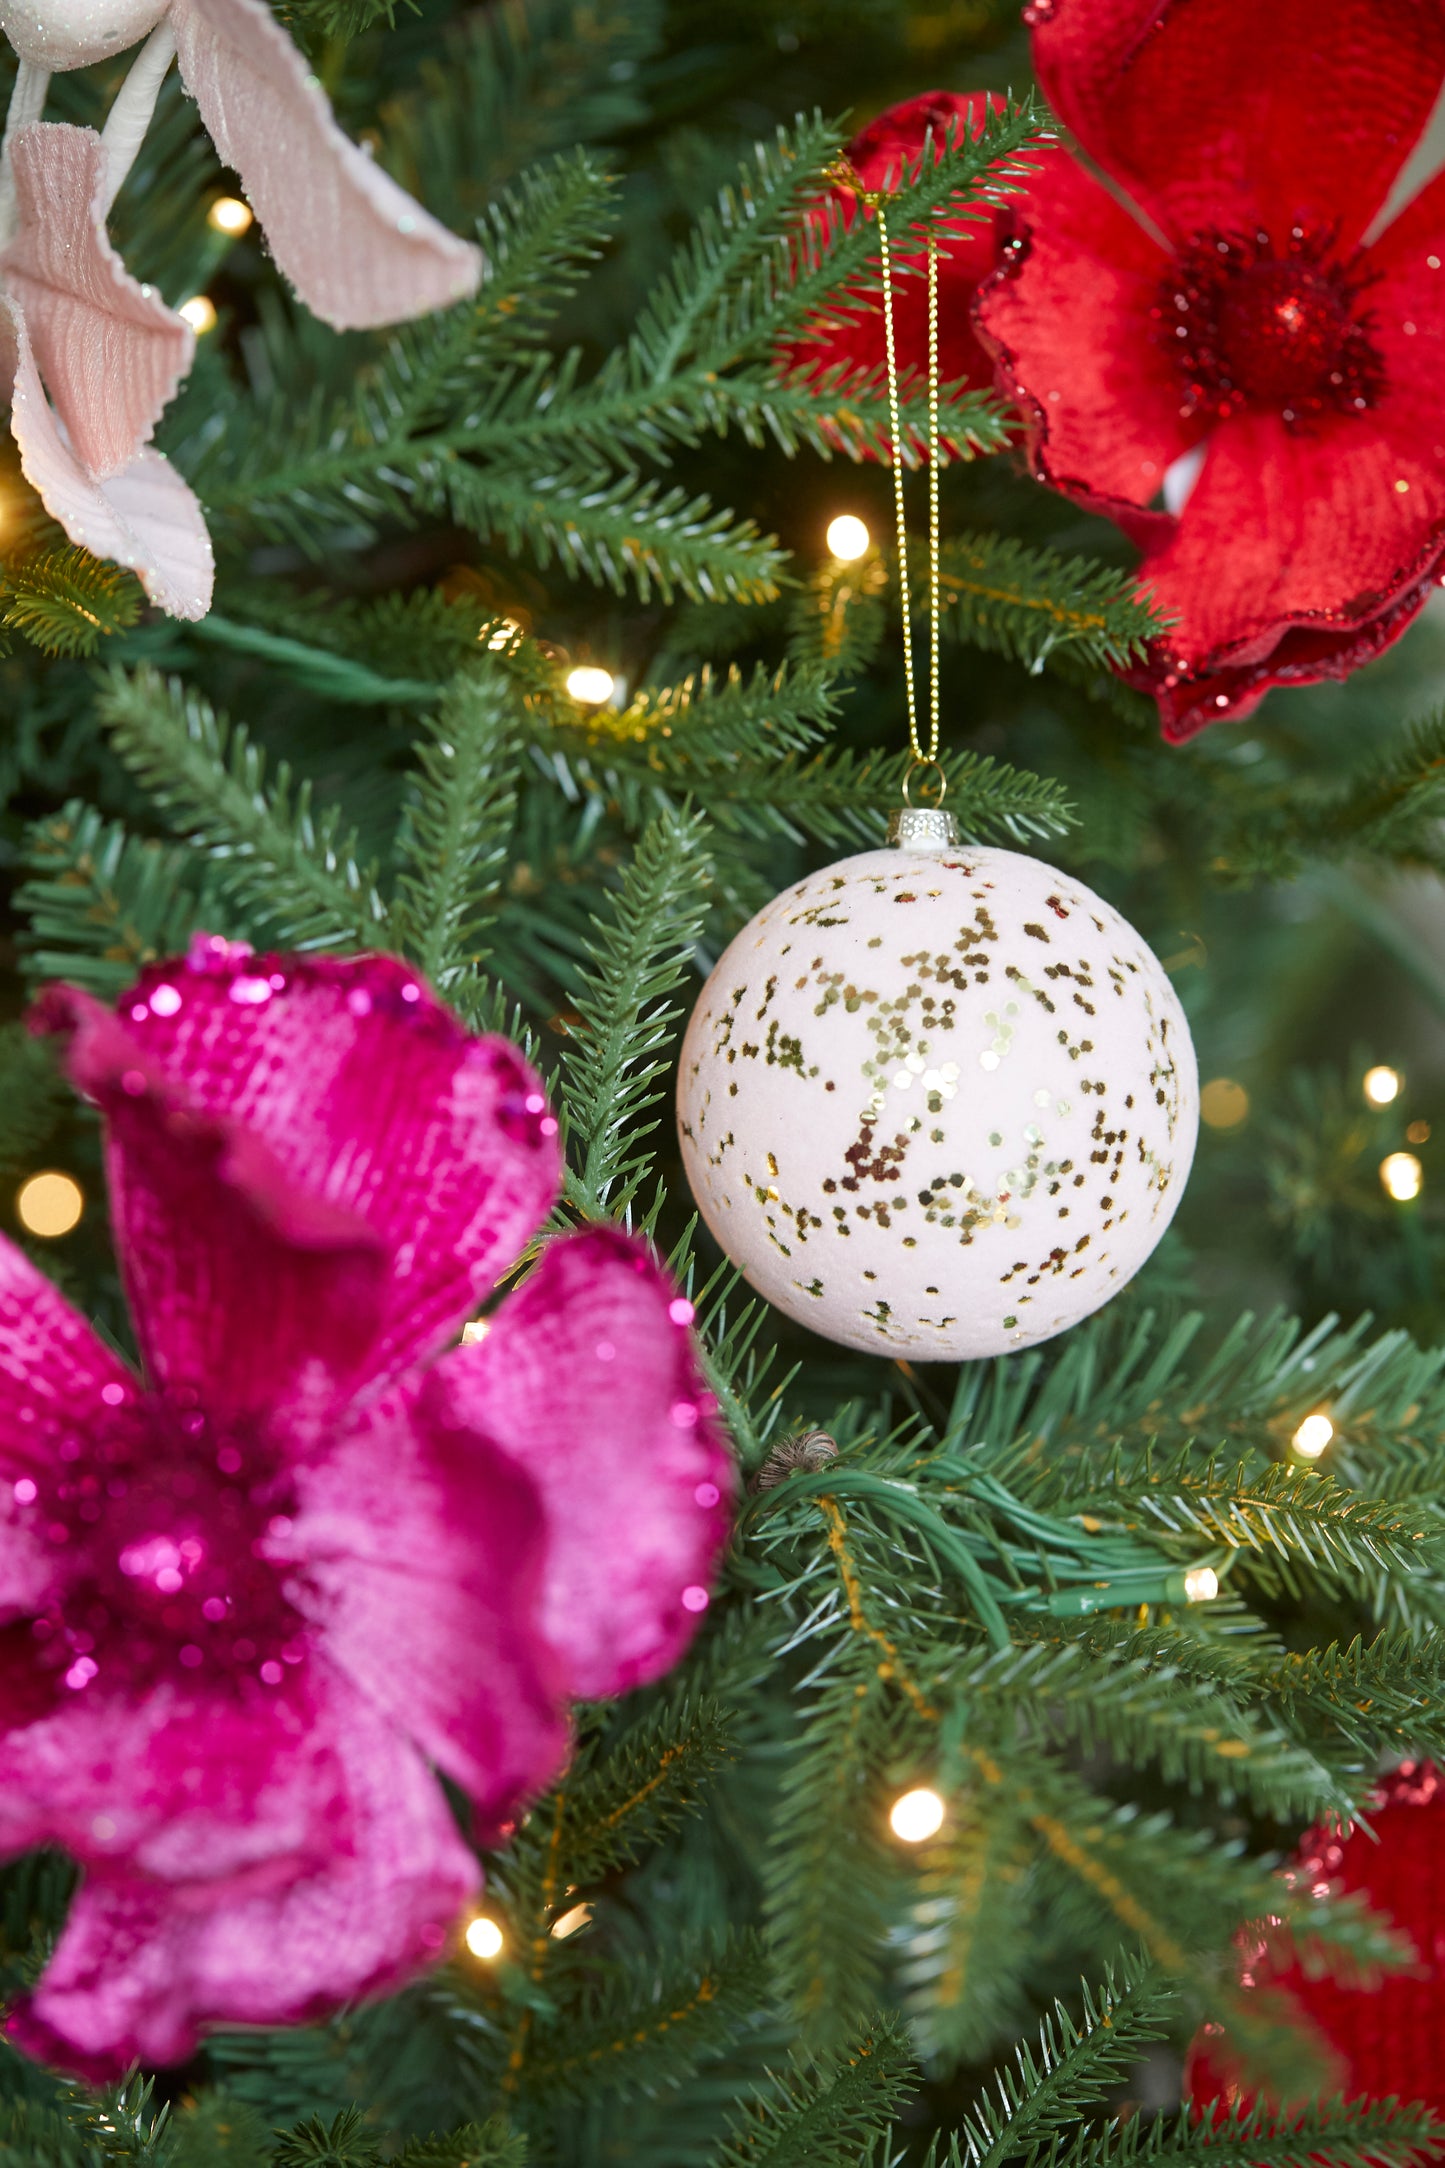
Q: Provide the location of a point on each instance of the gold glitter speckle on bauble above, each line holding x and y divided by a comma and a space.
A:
938, 1103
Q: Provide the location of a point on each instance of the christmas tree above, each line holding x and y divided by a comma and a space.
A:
882, 1758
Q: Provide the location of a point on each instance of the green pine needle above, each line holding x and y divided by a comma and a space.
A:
619, 1053
66, 602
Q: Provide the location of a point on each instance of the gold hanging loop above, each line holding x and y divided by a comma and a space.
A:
923, 755
912, 770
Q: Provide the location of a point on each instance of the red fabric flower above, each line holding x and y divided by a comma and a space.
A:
1242, 316
1387, 2040
886, 154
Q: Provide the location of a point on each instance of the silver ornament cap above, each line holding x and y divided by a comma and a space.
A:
922, 828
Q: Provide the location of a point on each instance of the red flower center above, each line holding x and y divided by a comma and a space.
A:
157, 1527
1277, 330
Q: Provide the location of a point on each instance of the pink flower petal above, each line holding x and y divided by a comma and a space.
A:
181, 1786
246, 1287
591, 1387
142, 1970
357, 248
420, 1551
53, 1367
111, 353
367, 1093
144, 518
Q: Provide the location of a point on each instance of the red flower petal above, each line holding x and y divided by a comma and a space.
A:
588, 1381
111, 352
1215, 115
886, 148
142, 1970
1072, 330
1385, 2039
420, 1552
1297, 556
1407, 310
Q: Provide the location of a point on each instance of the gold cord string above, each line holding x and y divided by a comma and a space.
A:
921, 757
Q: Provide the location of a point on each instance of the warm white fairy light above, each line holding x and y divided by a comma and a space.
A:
1402, 1175
484, 1937
578, 1916
49, 1205
1382, 1085
477, 1330
501, 632
1313, 1435
200, 313
915, 1816
1201, 1584
1223, 1104
229, 215
848, 538
590, 684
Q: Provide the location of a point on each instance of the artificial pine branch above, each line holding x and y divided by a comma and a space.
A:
517, 83
618, 1055
640, 2034
970, 1942
213, 2130
344, 2143
822, 2114
1044, 2092
515, 445
1036, 607
297, 871
101, 903
32, 1094
66, 602
453, 851
1336, 2134
620, 1802
475, 2145
826, 1837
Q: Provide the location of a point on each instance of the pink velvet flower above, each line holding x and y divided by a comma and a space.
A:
359, 251
247, 1597
112, 355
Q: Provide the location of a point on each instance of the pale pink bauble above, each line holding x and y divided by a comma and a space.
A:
938, 1103
61, 34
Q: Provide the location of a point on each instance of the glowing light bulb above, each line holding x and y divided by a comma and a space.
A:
1402, 1175
477, 1330
848, 538
200, 313
915, 1816
49, 1205
591, 685
570, 1922
502, 633
228, 214
1313, 1435
1201, 1584
484, 1937
1223, 1104
1382, 1086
